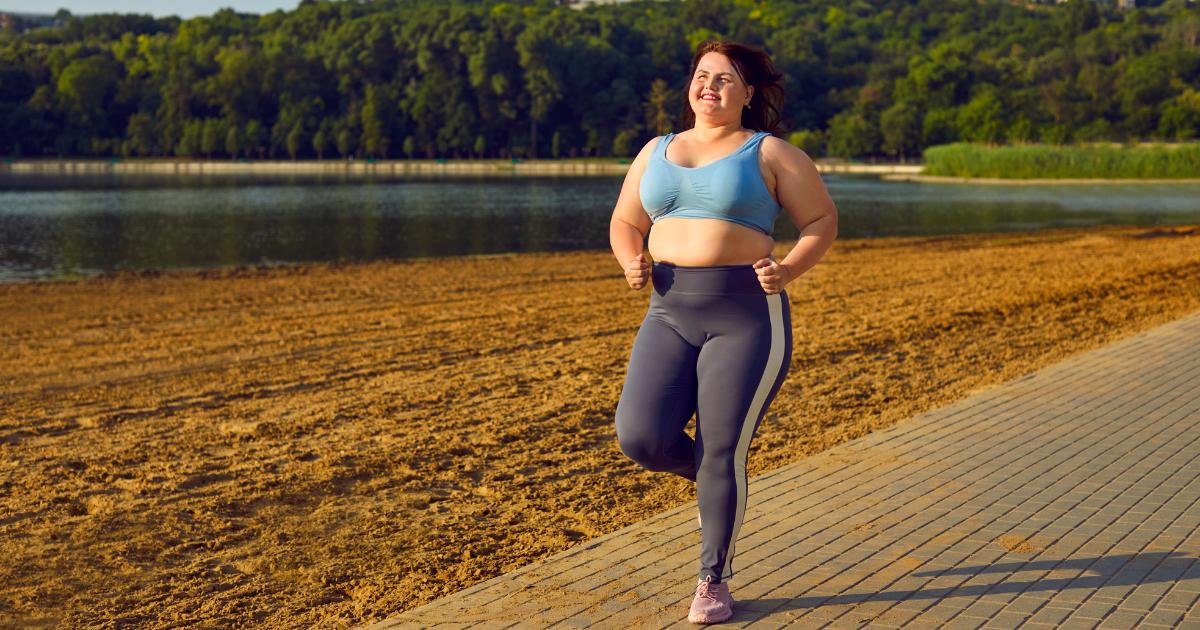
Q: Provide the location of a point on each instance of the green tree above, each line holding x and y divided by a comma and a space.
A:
657, 103
320, 142
1081, 18
939, 126
900, 125
295, 139
1181, 117
1020, 131
810, 141
234, 138
622, 144
982, 119
540, 56
255, 138
374, 122
942, 78
850, 135
141, 134
238, 86
212, 136
1142, 87
189, 143
344, 137
291, 120
88, 88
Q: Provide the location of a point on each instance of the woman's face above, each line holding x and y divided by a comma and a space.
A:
717, 92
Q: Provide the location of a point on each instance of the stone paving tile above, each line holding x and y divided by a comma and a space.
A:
1069, 497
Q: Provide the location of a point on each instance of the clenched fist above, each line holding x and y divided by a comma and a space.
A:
771, 275
637, 271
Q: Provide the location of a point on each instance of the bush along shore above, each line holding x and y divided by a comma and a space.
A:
1092, 161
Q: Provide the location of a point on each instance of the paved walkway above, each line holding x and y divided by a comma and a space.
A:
1070, 497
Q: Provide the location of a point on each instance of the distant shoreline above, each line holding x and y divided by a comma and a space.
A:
584, 166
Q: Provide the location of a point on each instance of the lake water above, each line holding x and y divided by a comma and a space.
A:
52, 226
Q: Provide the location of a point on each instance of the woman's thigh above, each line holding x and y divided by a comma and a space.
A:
739, 372
659, 395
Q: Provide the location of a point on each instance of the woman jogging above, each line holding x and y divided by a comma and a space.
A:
716, 340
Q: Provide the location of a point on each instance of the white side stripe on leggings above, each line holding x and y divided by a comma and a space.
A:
770, 373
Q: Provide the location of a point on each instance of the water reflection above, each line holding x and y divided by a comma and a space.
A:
53, 226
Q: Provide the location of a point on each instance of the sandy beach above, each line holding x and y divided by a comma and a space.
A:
327, 445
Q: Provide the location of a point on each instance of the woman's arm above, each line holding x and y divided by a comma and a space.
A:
629, 224
803, 196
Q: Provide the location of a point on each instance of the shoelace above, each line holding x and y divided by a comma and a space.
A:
708, 590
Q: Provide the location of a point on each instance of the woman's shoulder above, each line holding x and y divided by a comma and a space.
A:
644, 155
776, 150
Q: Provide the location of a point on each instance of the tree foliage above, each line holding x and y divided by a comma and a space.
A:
490, 78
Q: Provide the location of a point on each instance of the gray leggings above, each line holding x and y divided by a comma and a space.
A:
713, 344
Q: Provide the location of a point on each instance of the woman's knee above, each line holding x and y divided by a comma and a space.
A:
637, 447
642, 447
719, 462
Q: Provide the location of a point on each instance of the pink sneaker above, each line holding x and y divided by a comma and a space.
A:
713, 603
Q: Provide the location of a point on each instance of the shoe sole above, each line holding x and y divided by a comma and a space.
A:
708, 619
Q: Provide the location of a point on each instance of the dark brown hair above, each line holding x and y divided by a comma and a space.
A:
755, 67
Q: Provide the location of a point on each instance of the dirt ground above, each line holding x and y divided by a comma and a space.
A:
328, 445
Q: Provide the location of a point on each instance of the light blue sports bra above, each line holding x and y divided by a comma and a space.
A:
730, 188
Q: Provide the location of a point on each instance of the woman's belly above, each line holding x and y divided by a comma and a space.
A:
701, 242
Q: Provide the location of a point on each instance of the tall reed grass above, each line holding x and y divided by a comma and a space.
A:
1107, 161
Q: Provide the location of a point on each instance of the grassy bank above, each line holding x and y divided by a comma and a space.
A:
1105, 161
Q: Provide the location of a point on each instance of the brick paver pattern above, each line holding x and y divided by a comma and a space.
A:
1069, 497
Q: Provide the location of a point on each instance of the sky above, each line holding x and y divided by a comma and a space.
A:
157, 8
